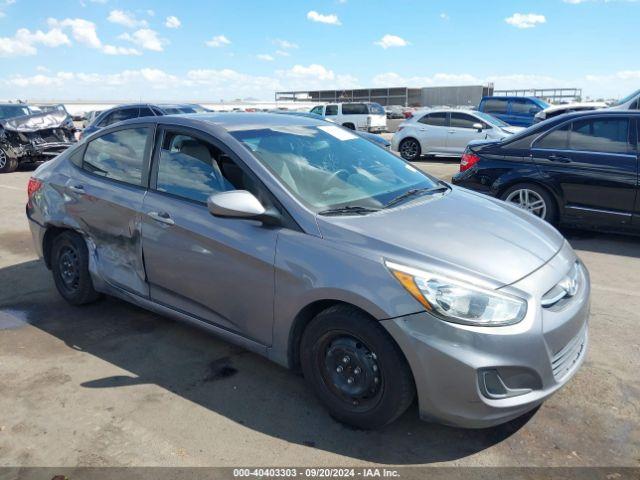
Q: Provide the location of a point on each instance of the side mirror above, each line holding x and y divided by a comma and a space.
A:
235, 204
478, 127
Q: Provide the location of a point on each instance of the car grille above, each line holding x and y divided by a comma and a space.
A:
564, 361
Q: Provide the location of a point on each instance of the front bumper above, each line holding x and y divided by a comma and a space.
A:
451, 363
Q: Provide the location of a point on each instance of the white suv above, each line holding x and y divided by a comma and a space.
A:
446, 132
369, 117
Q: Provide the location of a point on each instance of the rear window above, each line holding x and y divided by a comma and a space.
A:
118, 155
354, 109
495, 105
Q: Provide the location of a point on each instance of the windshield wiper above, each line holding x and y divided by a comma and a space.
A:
413, 192
349, 210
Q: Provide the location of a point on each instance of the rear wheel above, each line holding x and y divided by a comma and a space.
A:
7, 164
70, 267
355, 368
532, 198
410, 149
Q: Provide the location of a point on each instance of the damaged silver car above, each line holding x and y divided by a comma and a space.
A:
28, 136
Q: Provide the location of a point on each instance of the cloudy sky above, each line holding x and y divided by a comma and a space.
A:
115, 50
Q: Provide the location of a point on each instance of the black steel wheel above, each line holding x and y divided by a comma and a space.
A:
70, 268
355, 368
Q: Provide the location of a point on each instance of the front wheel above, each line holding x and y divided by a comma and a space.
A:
7, 163
410, 149
355, 368
532, 198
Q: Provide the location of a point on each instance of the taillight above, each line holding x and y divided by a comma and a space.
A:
468, 160
33, 186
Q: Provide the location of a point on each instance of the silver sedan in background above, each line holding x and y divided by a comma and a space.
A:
305, 243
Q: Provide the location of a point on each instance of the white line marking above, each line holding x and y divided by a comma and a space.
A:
11, 187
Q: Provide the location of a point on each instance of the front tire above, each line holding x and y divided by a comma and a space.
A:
355, 369
410, 149
70, 268
7, 164
534, 199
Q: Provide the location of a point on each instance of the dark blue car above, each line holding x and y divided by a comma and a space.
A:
518, 111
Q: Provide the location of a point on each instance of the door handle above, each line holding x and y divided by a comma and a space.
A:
76, 188
559, 158
162, 217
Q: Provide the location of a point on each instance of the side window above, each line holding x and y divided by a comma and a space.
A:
610, 135
495, 105
557, 139
354, 109
195, 169
635, 105
331, 110
317, 110
145, 112
462, 120
435, 119
118, 155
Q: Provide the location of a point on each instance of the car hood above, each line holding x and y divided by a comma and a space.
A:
470, 234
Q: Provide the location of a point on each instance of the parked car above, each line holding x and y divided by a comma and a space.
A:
519, 111
446, 132
302, 242
89, 117
630, 102
556, 110
578, 169
126, 112
372, 137
28, 134
395, 112
368, 117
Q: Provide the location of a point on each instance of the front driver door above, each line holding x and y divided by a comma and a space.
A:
220, 270
461, 131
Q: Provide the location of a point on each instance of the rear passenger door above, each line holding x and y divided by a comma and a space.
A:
594, 161
105, 200
219, 270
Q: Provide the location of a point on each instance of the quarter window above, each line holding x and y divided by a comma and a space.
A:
601, 135
331, 110
435, 119
118, 155
194, 169
354, 109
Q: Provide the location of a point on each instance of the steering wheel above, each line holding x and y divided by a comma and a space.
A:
333, 176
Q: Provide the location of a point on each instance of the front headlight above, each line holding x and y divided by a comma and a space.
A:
459, 302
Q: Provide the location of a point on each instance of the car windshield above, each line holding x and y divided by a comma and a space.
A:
491, 119
376, 109
628, 98
11, 111
328, 167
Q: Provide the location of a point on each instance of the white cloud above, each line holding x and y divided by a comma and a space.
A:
315, 76
265, 57
525, 20
172, 22
126, 19
392, 79
25, 42
331, 19
283, 53
444, 16
83, 31
116, 50
218, 41
284, 44
146, 39
389, 41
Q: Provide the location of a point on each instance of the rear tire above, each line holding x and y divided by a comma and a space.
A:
534, 199
7, 163
70, 268
410, 149
355, 369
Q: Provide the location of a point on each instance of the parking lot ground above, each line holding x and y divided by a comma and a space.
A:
113, 385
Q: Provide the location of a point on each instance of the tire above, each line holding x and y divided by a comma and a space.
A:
350, 126
7, 163
532, 194
410, 149
70, 268
339, 341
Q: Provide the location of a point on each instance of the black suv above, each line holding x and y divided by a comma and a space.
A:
578, 169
